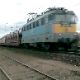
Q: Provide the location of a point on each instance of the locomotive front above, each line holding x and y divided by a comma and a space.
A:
65, 29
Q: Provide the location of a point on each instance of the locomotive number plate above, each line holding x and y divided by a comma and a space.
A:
66, 25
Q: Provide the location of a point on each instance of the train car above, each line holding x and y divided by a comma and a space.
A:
53, 28
3, 41
13, 39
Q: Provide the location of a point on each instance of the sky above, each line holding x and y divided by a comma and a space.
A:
13, 13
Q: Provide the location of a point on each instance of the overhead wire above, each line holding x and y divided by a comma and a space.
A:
46, 4
36, 9
74, 5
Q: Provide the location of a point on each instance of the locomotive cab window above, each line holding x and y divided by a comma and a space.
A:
71, 18
67, 18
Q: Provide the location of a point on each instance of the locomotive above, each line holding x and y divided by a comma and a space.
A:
55, 28
52, 29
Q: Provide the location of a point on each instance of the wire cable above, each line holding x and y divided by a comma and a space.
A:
74, 5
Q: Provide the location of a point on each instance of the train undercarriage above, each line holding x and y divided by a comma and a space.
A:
53, 46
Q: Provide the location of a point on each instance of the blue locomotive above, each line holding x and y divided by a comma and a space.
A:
53, 28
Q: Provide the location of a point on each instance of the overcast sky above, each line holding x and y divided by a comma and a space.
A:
14, 12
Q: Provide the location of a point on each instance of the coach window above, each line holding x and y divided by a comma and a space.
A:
29, 26
16, 37
46, 19
37, 23
33, 24
24, 28
50, 17
42, 21
21, 29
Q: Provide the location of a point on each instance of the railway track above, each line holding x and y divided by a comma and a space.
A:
58, 51
43, 75
77, 53
4, 75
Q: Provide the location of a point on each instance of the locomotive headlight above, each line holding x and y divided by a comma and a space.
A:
75, 34
59, 34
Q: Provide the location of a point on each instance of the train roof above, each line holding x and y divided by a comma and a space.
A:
47, 12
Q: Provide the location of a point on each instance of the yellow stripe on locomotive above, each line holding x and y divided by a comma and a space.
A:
64, 28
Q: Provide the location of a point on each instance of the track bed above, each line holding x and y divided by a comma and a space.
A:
4, 75
19, 71
48, 65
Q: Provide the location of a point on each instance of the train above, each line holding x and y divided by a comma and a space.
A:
52, 29
12, 39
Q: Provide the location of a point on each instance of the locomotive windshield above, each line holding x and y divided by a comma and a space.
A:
66, 18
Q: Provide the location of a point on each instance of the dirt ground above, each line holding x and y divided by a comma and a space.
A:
18, 72
3, 76
57, 69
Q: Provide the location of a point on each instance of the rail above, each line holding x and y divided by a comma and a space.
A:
2, 70
26, 65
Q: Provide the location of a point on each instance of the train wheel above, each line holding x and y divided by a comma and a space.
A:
73, 47
46, 46
39, 46
26, 46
